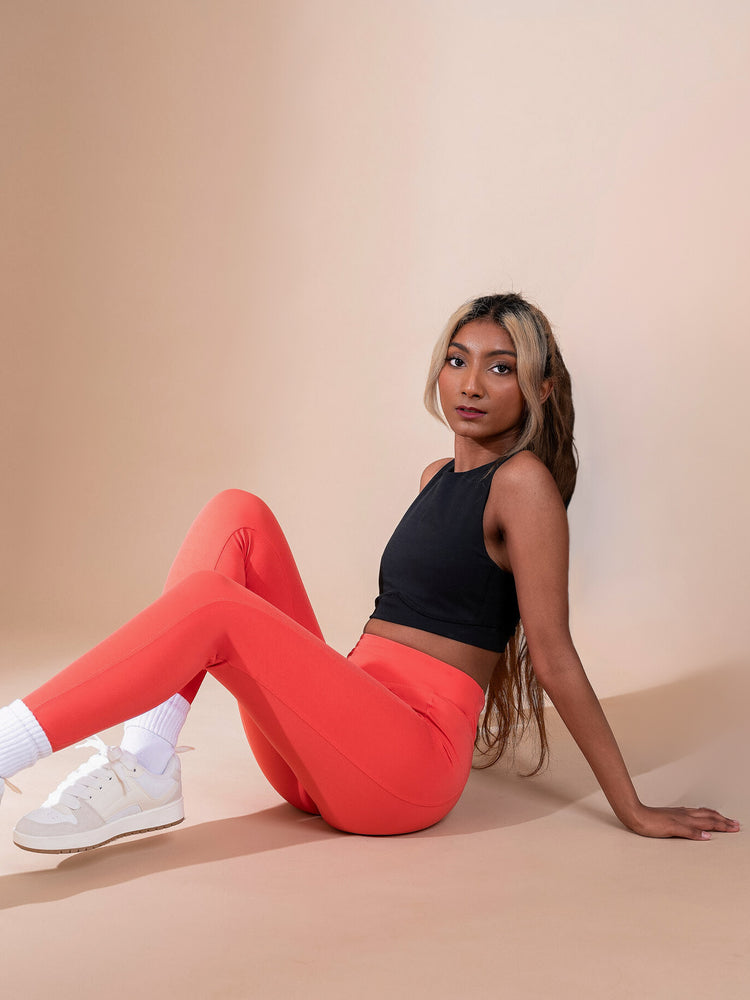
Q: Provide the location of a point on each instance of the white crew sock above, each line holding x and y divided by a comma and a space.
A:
22, 740
152, 736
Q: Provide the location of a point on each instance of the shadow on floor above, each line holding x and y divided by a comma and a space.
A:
268, 830
654, 727
702, 714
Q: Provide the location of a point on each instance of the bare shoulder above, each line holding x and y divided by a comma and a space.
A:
432, 469
524, 484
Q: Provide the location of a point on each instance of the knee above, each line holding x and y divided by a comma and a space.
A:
235, 496
240, 506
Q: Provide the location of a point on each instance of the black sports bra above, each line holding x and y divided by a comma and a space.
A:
436, 574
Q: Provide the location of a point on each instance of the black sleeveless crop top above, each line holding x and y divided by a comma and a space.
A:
436, 574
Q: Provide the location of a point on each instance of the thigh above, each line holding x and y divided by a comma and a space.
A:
374, 747
275, 769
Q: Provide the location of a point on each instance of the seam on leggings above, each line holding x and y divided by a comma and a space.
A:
252, 530
272, 547
264, 687
158, 635
187, 617
242, 527
433, 694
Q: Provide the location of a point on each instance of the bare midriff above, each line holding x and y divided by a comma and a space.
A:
477, 663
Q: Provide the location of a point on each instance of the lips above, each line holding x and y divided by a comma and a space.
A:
470, 413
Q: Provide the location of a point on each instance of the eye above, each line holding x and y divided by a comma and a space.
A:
454, 361
501, 369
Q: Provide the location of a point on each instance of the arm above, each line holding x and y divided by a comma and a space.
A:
533, 521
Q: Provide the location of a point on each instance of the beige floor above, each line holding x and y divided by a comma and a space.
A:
529, 888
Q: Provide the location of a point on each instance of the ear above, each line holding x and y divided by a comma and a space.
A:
544, 390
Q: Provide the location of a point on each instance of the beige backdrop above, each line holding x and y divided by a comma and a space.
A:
232, 231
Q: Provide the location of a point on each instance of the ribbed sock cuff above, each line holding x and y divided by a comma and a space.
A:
22, 740
166, 720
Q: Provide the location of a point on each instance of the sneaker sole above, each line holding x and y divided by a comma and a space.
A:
158, 819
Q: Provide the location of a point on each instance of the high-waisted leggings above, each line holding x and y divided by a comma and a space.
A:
379, 742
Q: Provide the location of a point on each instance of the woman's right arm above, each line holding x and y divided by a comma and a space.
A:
534, 525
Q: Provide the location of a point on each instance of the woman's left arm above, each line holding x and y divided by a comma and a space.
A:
534, 524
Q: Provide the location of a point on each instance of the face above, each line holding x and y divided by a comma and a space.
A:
478, 388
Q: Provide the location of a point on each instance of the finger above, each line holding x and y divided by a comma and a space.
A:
692, 833
700, 829
695, 832
704, 814
715, 821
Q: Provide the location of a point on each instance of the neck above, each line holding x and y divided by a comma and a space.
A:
471, 455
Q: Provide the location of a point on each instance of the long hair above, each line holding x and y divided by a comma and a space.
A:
515, 698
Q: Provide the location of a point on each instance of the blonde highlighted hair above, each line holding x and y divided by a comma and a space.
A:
515, 698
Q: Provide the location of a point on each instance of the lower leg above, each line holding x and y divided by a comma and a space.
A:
22, 740
138, 666
153, 736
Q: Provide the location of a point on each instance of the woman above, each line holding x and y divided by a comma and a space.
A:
381, 741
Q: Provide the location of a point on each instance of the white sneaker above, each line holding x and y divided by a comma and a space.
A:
109, 796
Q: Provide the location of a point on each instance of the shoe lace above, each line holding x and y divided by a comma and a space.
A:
96, 760
106, 762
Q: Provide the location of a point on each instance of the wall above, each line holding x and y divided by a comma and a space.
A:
232, 232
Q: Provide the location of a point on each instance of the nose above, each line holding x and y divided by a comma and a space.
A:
471, 383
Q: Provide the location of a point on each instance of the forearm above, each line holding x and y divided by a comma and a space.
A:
576, 703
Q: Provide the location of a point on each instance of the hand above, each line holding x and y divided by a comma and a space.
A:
684, 821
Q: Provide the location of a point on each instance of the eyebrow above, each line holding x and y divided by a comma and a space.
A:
489, 354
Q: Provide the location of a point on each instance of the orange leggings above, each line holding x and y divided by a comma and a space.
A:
379, 742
